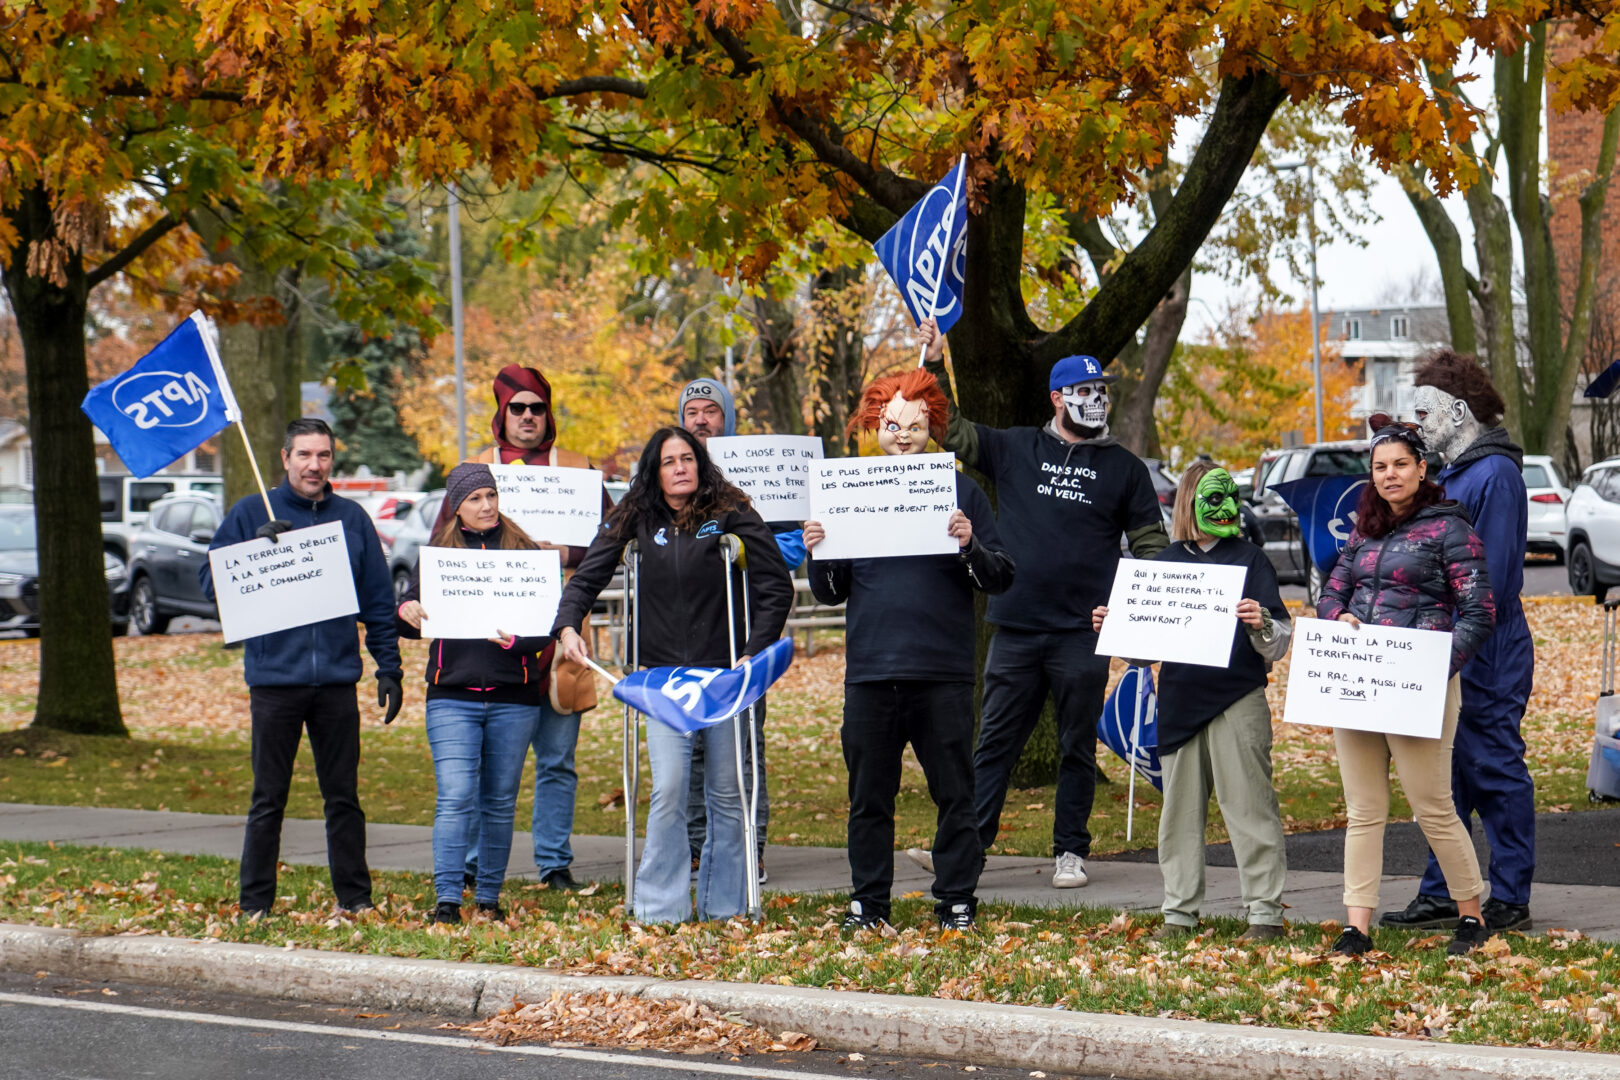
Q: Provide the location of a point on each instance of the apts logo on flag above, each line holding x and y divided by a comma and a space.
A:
926, 252
168, 404
1326, 507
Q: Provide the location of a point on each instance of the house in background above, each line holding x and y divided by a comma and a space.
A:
1386, 342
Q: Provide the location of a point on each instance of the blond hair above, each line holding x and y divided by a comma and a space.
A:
1183, 520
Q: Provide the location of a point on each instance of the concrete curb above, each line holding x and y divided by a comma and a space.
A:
1008, 1035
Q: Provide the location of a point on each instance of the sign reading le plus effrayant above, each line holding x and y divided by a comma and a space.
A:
880, 507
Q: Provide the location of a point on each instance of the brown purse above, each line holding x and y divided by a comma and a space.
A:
573, 685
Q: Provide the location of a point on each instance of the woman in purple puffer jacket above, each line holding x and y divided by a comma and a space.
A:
1414, 561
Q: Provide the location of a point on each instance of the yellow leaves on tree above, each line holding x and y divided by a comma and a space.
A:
612, 380
1238, 394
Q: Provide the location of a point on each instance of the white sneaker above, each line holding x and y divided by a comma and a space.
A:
922, 857
1070, 872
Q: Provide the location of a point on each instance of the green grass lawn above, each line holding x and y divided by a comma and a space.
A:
1558, 990
187, 707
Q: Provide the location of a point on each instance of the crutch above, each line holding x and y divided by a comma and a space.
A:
631, 763
744, 721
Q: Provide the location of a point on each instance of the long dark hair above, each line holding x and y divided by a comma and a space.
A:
715, 495
1374, 516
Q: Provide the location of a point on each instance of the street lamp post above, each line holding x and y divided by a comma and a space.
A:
457, 326
1316, 328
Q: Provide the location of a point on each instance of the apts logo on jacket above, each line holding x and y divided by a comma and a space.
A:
709, 528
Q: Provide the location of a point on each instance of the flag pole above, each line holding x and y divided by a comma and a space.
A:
602, 671
945, 265
1136, 739
233, 412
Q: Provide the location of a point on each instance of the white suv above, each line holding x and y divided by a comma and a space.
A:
1592, 530
1548, 497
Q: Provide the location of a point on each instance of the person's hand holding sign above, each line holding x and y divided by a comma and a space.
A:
503, 639
1248, 612
572, 645
411, 611
813, 535
1351, 619
960, 527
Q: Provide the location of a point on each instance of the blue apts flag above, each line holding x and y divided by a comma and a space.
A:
1326, 507
1118, 719
689, 698
926, 252
171, 402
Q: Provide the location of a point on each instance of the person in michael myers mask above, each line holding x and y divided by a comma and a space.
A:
909, 677
1065, 493
1460, 411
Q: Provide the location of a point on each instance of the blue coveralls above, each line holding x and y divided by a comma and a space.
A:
1488, 771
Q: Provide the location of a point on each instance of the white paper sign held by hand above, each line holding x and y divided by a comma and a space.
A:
773, 470
881, 507
1376, 678
1179, 611
468, 593
554, 505
302, 579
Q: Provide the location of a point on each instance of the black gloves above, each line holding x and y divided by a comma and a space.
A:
272, 530
391, 694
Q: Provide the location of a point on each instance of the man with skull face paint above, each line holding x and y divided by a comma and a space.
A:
1459, 411
1214, 724
1065, 493
910, 672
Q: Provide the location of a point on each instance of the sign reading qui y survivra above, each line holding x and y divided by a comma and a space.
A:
774, 470
468, 593
1375, 678
878, 507
301, 579
1179, 611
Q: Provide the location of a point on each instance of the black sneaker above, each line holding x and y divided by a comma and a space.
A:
1352, 943
857, 919
469, 881
1501, 916
359, 908
255, 914
561, 880
959, 918
1471, 934
448, 912
494, 911
1423, 913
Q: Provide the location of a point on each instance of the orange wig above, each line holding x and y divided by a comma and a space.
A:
914, 385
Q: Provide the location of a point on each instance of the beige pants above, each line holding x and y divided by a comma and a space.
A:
1424, 768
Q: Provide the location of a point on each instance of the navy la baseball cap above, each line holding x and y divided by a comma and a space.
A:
1079, 369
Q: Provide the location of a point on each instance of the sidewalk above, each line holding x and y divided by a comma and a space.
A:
1312, 895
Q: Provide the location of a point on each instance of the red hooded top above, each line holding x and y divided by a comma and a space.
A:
512, 381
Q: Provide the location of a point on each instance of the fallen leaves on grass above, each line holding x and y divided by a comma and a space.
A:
637, 1023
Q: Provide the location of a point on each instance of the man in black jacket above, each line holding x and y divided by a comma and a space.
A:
1065, 493
909, 670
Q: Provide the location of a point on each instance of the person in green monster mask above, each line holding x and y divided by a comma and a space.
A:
1215, 726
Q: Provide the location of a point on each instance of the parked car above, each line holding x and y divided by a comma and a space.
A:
19, 575
1278, 525
1548, 498
165, 553
385, 505
404, 537
125, 502
1592, 530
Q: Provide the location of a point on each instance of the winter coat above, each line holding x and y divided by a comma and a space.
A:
1427, 573
470, 670
683, 618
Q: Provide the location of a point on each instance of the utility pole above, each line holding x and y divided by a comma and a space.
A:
458, 326
1316, 319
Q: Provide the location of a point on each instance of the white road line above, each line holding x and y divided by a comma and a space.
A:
678, 1063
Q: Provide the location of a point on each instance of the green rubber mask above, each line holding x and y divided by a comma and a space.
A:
1215, 505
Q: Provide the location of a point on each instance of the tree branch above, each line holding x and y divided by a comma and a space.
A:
1145, 276
595, 84
133, 250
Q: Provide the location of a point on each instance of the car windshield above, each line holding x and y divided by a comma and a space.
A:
1338, 463
17, 530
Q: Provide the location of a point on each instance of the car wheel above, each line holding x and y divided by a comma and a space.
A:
402, 584
1582, 570
143, 608
1315, 581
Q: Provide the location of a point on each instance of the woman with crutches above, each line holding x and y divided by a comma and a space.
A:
678, 511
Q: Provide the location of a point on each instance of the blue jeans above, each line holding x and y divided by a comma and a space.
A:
664, 881
555, 783
478, 750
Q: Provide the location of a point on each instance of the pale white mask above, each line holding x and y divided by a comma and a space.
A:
1448, 424
1087, 403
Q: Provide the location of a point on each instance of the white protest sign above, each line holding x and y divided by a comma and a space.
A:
878, 507
559, 506
301, 579
1179, 611
1377, 678
468, 593
774, 470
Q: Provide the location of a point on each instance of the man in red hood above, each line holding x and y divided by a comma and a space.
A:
524, 428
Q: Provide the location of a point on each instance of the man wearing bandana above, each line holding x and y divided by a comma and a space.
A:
1214, 724
1065, 493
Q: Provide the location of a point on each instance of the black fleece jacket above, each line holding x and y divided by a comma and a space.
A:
481, 670
683, 589
912, 617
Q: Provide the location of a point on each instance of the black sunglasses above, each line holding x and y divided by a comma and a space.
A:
518, 408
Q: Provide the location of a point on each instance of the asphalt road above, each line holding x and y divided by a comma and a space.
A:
63, 1029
